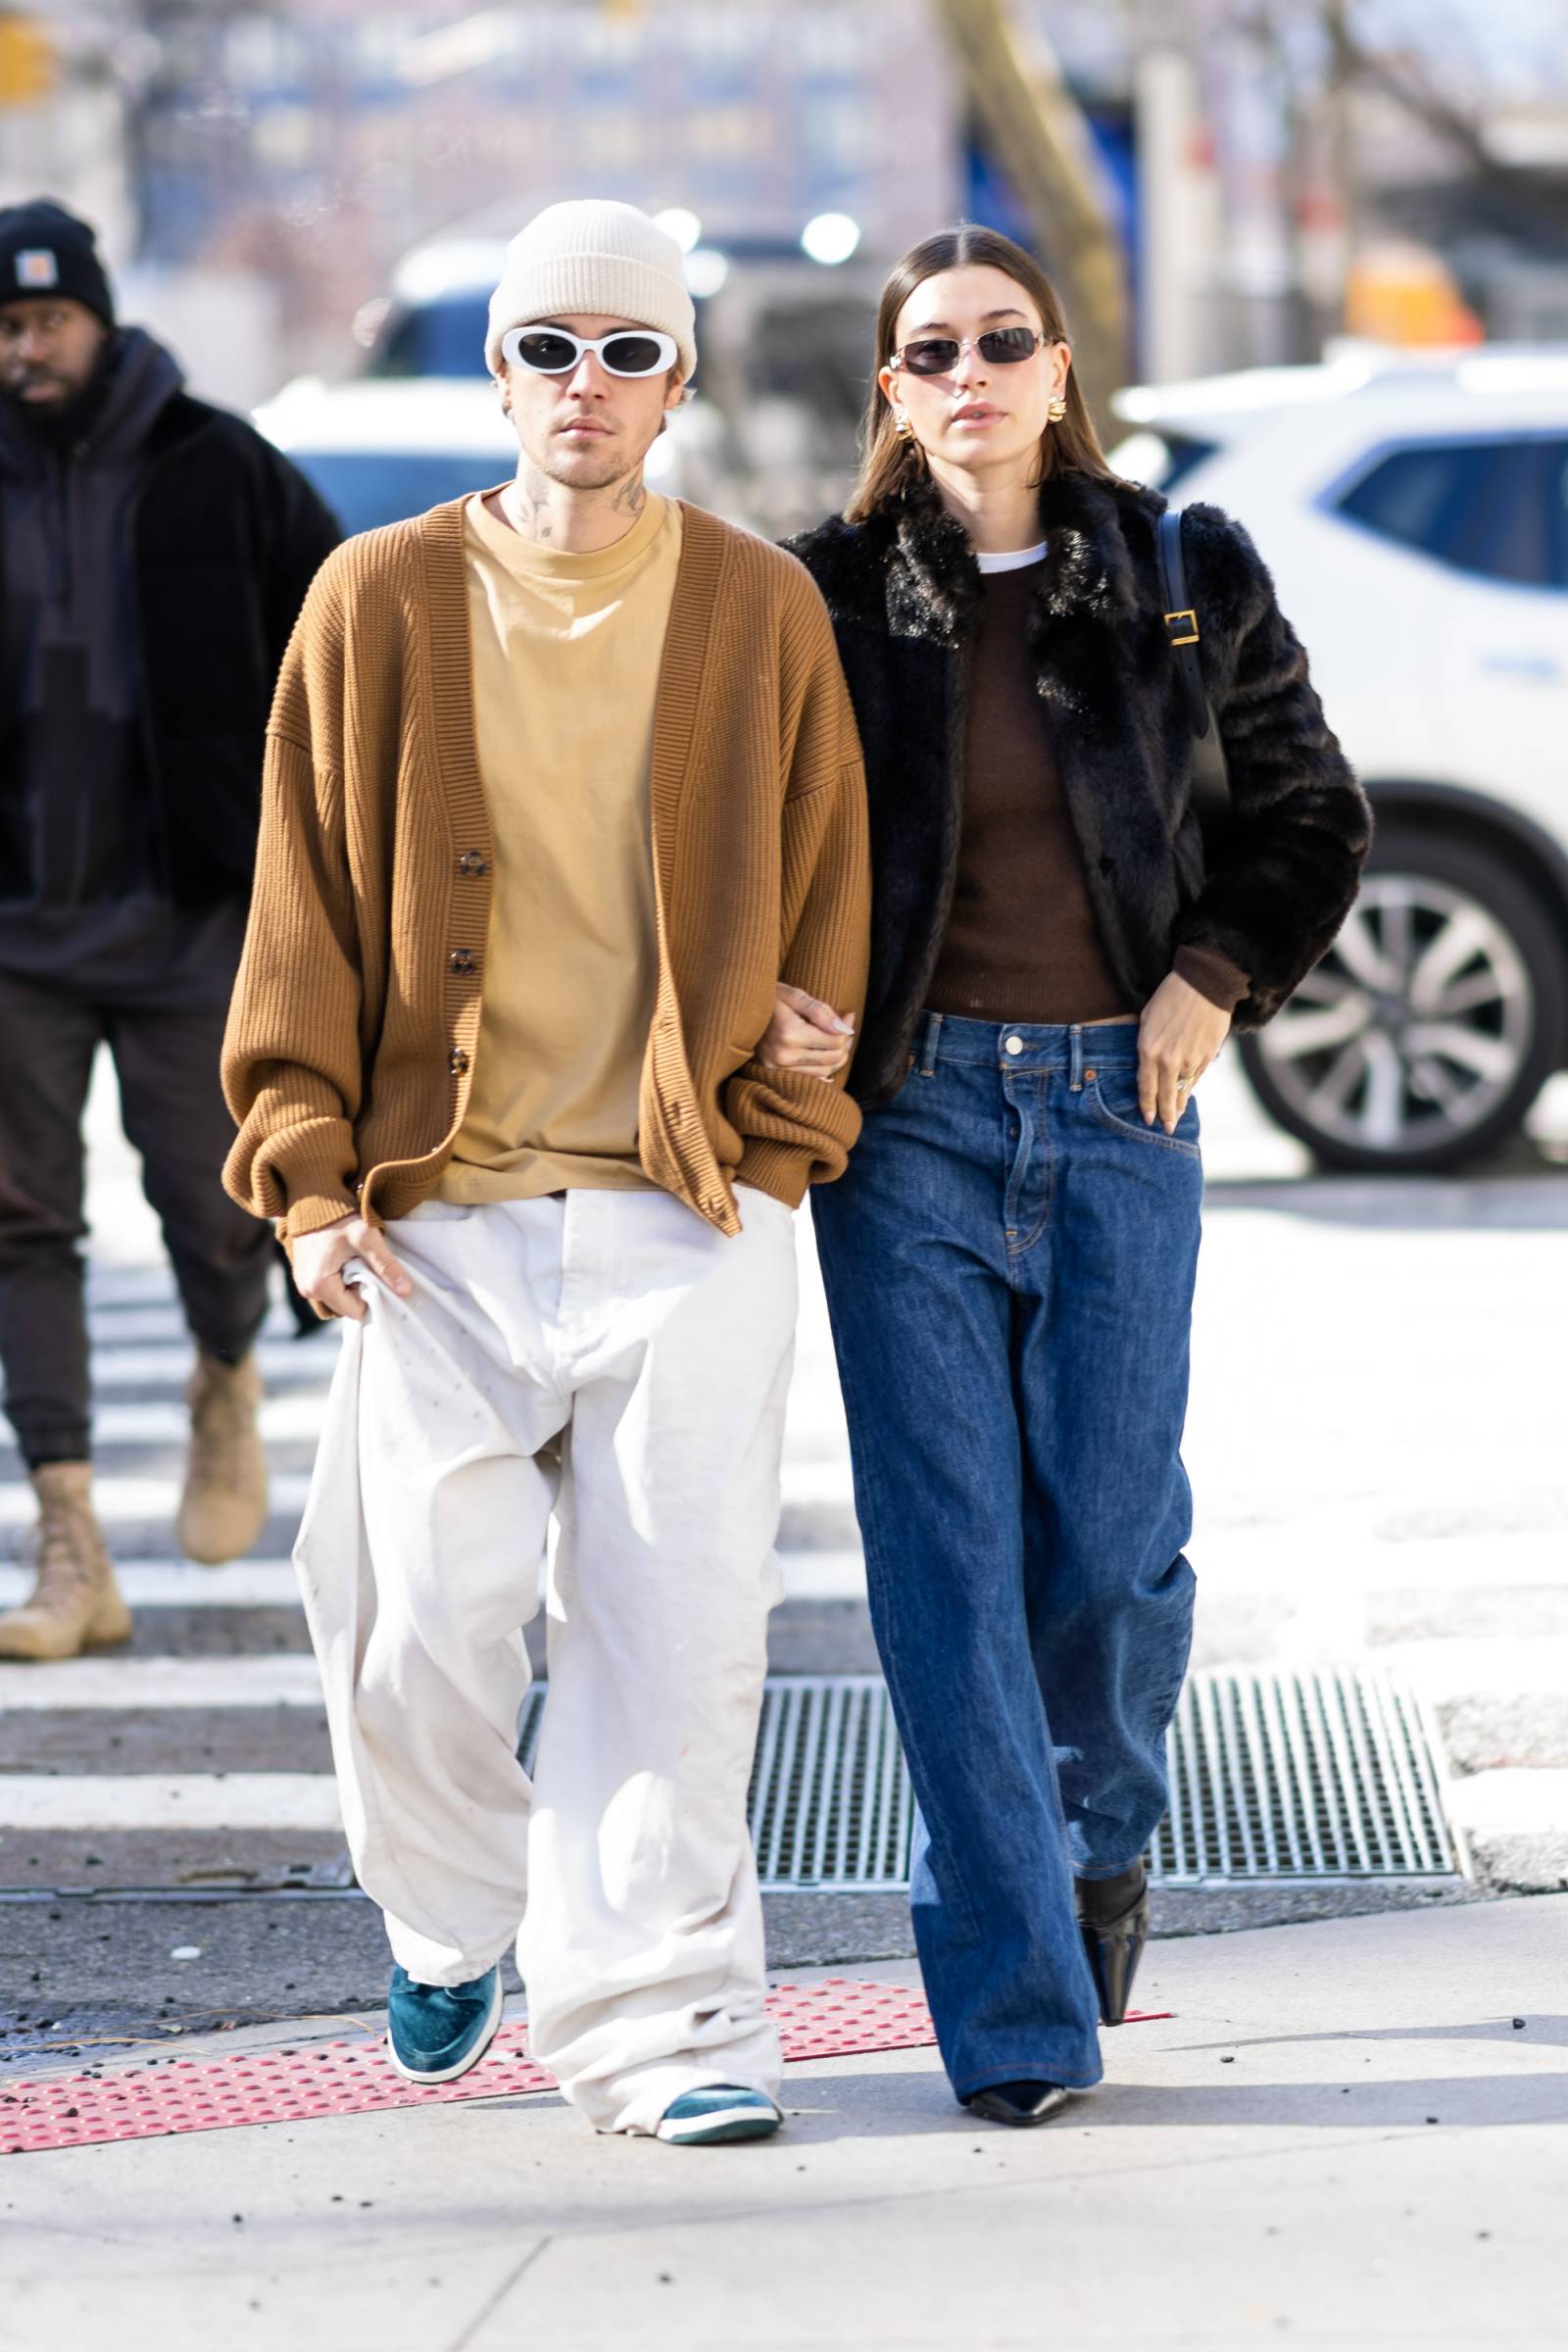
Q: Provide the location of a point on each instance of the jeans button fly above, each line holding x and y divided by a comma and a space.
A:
1012, 1045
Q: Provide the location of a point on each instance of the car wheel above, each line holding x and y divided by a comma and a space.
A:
1431, 1025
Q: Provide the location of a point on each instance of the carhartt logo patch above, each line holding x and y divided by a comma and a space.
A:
37, 268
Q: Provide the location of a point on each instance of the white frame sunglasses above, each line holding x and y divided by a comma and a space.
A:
666, 350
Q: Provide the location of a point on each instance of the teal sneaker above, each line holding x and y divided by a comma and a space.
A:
700, 2119
438, 2031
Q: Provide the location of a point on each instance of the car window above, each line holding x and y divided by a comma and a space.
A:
1557, 506
1553, 491
365, 488
814, 354
434, 338
1158, 456
1496, 509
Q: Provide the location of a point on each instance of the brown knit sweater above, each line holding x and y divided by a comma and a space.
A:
356, 1017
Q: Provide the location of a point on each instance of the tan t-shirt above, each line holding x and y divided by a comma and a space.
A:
567, 651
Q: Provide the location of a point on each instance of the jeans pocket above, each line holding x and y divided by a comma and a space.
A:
1122, 1115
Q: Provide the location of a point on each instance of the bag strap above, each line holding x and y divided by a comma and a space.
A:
1180, 619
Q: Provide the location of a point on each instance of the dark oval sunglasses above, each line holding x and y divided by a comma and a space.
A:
556, 350
935, 355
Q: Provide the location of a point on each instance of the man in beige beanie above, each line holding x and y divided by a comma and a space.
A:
563, 784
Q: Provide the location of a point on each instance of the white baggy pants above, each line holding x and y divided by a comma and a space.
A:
611, 1357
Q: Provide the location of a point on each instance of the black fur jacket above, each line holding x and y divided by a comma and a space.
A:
902, 590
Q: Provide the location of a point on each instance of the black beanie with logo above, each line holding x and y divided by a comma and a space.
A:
45, 250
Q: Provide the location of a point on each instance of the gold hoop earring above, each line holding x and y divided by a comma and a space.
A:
1057, 410
905, 431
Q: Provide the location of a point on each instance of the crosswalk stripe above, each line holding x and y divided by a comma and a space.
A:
1508, 1801
1444, 1670
112, 1285
296, 1419
288, 1420
288, 1679
1337, 1557
187, 1801
282, 1362
811, 1574
122, 1501
121, 1326
1511, 1800
179, 1584
272, 1584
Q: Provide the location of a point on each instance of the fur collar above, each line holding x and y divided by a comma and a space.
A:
912, 564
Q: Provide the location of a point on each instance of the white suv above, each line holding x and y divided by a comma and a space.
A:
1415, 512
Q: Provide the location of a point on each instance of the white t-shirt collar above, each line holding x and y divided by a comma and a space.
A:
1014, 560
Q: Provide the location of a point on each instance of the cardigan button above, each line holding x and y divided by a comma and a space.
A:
460, 960
472, 861
456, 1062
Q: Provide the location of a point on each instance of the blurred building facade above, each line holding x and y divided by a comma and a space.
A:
309, 146
263, 164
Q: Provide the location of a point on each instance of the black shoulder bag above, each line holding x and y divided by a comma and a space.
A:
1211, 785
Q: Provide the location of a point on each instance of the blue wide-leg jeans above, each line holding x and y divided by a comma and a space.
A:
1009, 1262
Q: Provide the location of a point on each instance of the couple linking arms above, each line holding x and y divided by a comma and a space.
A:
572, 794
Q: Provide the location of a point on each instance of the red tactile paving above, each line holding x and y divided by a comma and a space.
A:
838, 2019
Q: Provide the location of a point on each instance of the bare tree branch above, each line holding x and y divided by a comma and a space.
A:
1405, 80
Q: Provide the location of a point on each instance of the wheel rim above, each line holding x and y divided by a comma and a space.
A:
1415, 1026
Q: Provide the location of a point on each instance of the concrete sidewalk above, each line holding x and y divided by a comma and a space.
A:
1308, 2151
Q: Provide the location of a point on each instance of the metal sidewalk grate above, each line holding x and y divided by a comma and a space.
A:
830, 1802
830, 1805
1301, 1776
1273, 1777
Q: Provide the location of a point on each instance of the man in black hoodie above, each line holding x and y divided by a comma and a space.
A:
154, 553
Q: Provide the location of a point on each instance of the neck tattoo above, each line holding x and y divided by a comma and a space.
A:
524, 502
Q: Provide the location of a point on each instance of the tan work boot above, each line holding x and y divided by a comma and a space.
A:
75, 1603
224, 1507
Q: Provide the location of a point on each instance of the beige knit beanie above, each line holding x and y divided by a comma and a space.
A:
595, 256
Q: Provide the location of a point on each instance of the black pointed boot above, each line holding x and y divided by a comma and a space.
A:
1113, 1914
1018, 2103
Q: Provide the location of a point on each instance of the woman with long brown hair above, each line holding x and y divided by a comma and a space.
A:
1057, 955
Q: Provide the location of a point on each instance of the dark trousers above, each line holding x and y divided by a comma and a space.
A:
162, 1016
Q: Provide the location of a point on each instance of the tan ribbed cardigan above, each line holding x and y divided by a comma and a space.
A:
356, 1017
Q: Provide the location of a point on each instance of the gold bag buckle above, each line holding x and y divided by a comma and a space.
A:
1190, 617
